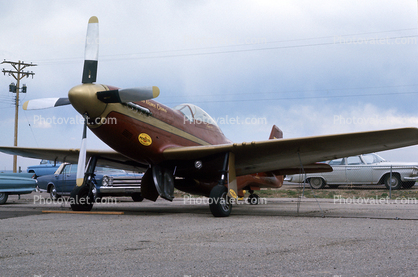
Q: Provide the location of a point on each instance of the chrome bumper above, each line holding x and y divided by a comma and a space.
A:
120, 190
415, 178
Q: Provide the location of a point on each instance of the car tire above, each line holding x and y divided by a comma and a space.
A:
137, 197
396, 182
316, 183
53, 193
408, 185
3, 197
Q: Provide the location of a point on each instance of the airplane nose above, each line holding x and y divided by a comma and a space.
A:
84, 100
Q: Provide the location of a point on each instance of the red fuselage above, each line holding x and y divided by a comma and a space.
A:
143, 130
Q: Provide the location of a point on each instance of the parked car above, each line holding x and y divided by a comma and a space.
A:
45, 167
15, 183
107, 181
367, 169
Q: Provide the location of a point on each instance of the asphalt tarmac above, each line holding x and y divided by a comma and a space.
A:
341, 237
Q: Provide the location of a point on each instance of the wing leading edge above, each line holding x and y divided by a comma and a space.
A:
273, 155
106, 157
254, 157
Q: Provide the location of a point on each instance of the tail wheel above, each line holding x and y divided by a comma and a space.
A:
395, 182
220, 204
253, 199
316, 183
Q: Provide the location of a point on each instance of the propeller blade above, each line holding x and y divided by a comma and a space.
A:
91, 53
82, 157
45, 103
128, 94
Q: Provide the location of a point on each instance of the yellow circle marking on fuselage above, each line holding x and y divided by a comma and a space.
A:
145, 139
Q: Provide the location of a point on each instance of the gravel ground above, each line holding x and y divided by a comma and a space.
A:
183, 239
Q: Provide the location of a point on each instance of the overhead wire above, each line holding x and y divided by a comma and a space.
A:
134, 56
298, 98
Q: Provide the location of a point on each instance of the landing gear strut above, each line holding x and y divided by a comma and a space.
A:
82, 197
220, 204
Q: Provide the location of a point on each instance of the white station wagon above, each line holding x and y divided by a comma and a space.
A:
367, 169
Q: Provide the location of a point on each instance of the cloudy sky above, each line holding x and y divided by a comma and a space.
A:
310, 67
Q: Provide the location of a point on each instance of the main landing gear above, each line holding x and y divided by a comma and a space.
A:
220, 203
82, 197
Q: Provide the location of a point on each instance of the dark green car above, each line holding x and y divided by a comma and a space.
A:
16, 183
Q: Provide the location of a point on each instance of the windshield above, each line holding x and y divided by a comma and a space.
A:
194, 113
372, 158
109, 170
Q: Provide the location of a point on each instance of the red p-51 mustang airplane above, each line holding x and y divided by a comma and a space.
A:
183, 147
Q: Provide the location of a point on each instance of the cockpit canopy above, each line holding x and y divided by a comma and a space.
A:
195, 114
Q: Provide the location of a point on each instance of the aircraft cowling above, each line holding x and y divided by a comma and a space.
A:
83, 98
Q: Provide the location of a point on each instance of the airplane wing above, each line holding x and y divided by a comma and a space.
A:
106, 157
276, 154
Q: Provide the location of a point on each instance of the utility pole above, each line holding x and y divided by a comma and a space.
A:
18, 74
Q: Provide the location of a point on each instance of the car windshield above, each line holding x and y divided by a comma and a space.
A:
109, 170
372, 158
339, 161
72, 168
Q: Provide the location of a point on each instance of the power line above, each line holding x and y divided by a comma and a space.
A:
298, 98
293, 91
18, 74
132, 55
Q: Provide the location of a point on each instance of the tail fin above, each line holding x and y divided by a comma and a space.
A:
276, 133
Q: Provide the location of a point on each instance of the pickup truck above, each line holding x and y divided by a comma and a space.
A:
45, 167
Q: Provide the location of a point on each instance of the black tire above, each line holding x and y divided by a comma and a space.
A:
96, 195
408, 185
333, 186
137, 197
220, 205
396, 182
253, 199
81, 198
53, 192
3, 197
316, 183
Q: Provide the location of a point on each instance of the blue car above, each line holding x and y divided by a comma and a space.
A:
45, 167
107, 182
15, 183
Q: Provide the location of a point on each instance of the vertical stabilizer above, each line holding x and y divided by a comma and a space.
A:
276, 133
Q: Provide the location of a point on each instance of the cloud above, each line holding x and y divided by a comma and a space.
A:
196, 51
